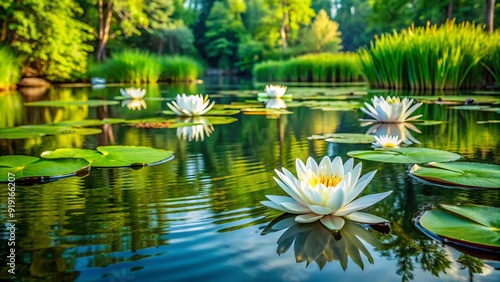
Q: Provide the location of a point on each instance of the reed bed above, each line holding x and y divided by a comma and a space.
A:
135, 66
10, 69
324, 67
491, 62
429, 58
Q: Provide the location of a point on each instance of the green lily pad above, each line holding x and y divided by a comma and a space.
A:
405, 155
212, 112
31, 131
489, 121
348, 138
89, 103
462, 174
113, 156
482, 99
237, 106
32, 168
91, 122
160, 122
265, 111
470, 107
470, 225
429, 122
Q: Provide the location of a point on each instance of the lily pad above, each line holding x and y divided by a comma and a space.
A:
91, 122
160, 122
89, 103
481, 99
470, 225
470, 107
348, 138
265, 111
212, 112
489, 121
113, 156
31, 168
405, 155
31, 131
466, 174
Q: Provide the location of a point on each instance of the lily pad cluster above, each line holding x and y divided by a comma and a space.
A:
471, 226
62, 163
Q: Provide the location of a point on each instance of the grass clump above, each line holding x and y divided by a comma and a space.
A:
136, 66
10, 69
323, 67
428, 58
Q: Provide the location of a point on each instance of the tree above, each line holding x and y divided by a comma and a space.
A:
224, 27
48, 35
322, 35
131, 16
490, 14
159, 13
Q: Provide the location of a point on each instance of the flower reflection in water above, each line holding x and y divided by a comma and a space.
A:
134, 104
403, 130
313, 242
275, 104
195, 132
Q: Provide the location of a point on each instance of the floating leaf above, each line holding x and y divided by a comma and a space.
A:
470, 107
483, 99
265, 111
460, 173
212, 112
160, 122
470, 225
91, 122
89, 103
349, 138
405, 155
31, 131
489, 121
429, 122
32, 168
113, 156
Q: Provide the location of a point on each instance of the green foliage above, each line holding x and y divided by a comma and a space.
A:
180, 68
47, 33
10, 69
323, 67
135, 66
224, 27
492, 59
431, 57
322, 35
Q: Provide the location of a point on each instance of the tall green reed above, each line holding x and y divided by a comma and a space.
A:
136, 66
10, 69
324, 67
428, 58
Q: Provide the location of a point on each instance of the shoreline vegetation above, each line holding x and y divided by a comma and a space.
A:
424, 58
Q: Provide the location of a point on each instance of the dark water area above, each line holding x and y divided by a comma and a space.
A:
198, 217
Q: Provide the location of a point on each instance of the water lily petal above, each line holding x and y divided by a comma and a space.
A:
348, 165
310, 195
332, 222
363, 217
338, 167
360, 186
291, 191
311, 164
336, 199
307, 218
362, 203
325, 166
320, 209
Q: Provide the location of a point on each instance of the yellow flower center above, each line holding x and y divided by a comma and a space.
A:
390, 145
327, 180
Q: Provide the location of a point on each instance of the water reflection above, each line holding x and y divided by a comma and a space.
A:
313, 242
195, 132
403, 130
134, 104
276, 104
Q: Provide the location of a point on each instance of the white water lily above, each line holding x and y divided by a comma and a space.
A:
190, 105
386, 141
275, 91
391, 109
403, 130
326, 192
133, 93
195, 132
275, 103
134, 104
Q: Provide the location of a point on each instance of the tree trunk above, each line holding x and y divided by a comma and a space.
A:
104, 26
490, 14
283, 25
160, 47
449, 10
4, 31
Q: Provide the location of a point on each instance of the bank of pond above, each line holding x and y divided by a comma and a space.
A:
450, 56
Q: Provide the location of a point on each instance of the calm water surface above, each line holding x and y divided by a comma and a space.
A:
199, 217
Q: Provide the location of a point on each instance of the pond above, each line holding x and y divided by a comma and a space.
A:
199, 216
